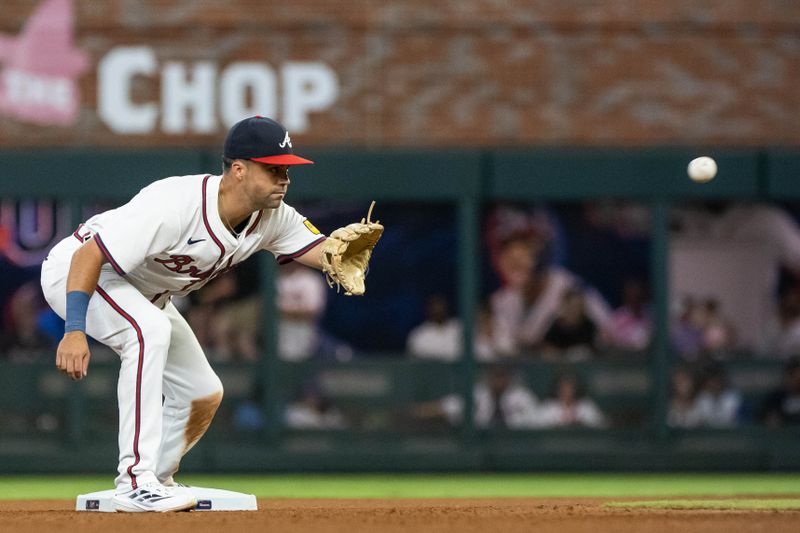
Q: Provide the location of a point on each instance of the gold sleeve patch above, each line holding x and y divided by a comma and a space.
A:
311, 227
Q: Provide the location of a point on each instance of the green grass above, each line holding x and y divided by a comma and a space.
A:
438, 486
750, 505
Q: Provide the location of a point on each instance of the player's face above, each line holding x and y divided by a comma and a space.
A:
267, 184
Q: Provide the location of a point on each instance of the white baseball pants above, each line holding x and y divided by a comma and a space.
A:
160, 358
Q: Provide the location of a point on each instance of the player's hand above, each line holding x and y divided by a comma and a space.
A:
72, 356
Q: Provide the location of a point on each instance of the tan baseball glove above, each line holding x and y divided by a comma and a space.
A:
346, 253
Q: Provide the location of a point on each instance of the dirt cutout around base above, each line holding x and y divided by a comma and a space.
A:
562, 515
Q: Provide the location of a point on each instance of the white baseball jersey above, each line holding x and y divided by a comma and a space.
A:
170, 240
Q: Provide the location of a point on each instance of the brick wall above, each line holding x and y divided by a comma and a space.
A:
472, 72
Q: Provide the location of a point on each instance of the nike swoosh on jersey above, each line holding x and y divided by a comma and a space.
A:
190, 241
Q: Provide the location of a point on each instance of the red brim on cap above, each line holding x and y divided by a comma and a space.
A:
283, 159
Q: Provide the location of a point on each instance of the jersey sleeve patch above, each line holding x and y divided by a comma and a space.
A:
311, 227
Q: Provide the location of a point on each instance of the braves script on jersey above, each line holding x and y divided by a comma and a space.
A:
170, 240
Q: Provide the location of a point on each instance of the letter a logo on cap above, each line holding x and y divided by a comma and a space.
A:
286, 140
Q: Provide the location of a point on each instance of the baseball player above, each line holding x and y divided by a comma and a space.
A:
113, 279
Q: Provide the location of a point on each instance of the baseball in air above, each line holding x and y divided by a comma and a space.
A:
702, 169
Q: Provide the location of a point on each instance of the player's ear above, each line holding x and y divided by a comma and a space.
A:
238, 168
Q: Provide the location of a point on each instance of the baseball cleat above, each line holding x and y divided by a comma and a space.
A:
178, 488
153, 497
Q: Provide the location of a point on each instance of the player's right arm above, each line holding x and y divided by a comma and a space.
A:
72, 356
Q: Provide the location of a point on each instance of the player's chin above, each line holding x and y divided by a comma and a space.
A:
273, 201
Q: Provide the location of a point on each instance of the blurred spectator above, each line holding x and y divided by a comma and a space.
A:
439, 337
687, 330
314, 411
248, 415
302, 296
631, 325
717, 404
683, 411
484, 349
719, 333
571, 336
301, 301
514, 265
310, 410
500, 402
733, 253
4, 240
701, 331
782, 406
238, 326
22, 338
528, 303
226, 314
507, 222
568, 406
51, 325
784, 337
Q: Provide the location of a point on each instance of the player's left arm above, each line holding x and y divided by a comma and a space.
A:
313, 257
344, 255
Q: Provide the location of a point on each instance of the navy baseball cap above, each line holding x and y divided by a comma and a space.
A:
263, 140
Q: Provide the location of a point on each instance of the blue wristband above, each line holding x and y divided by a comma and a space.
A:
77, 304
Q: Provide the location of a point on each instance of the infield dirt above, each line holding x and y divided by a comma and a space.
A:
429, 515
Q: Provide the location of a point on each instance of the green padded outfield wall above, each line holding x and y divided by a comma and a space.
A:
467, 179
